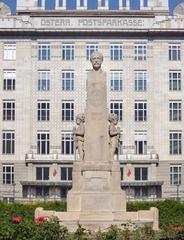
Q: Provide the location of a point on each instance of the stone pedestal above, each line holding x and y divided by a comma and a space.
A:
96, 189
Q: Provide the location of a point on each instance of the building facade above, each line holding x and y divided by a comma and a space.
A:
44, 59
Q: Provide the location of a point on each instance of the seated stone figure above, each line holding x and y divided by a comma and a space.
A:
114, 134
79, 135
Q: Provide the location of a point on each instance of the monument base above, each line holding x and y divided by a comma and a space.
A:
102, 220
96, 188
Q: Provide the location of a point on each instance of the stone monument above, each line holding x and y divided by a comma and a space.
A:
96, 199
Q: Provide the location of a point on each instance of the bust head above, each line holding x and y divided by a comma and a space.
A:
113, 118
80, 118
96, 60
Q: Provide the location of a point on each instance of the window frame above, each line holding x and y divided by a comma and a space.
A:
116, 52
8, 143
44, 51
43, 144
175, 143
140, 51
116, 81
67, 110
11, 174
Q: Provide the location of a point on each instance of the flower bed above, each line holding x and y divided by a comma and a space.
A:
17, 223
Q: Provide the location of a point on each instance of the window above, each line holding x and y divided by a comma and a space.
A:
140, 80
90, 48
140, 52
8, 142
9, 80
174, 80
141, 173
116, 51
67, 111
66, 173
116, 82
43, 51
8, 174
44, 80
141, 142
8, 110
42, 192
175, 143
174, 52
43, 111
68, 51
67, 143
67, 80
43, 142
42, 173
140, 111
175, 174
10, 51
175, 110
117, 108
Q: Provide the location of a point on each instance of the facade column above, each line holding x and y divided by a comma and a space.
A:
58, 6
106, 6
121, 5
151, 4
141, 4
128, 4
79, 6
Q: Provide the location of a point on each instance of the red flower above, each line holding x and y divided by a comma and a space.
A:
17, 219
41, 219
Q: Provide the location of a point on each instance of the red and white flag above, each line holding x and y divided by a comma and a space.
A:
129, 173
54, 173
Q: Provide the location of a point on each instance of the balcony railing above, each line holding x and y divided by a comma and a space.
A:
49, 157
66, 157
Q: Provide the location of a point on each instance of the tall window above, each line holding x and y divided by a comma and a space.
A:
67, 110
8, 110
8, 142
43, 51
8, 174
68, 51
140, 80
175, 174
175, 110
174, 80
116, 52
9, 80
67, 80
141, 173
116, 107
140, 142
44, 80
140, 111
140, 52
10, 51
43, 142
43, 111
175, 143
67, 143
174, 52
116, 82
90, 48
66, 173
42, 173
